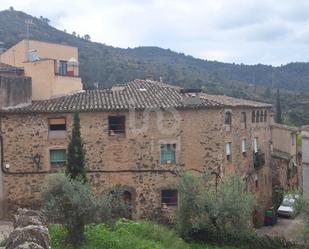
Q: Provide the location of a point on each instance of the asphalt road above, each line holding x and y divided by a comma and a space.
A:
290, 229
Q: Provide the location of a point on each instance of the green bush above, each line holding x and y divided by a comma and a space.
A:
126, 235
218, 216
151, 231
72, 203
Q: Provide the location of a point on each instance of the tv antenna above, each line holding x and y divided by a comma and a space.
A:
28, 23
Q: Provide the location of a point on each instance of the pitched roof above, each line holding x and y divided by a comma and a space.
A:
5, 68
234, 102
285, 127
137, 94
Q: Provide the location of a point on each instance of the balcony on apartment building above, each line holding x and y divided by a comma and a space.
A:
67, 68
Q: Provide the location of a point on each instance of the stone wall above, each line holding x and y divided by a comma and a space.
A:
30, 231
133, 160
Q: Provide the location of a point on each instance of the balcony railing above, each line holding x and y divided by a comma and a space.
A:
63, 68
258, 159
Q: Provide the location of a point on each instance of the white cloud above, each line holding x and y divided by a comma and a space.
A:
248, 31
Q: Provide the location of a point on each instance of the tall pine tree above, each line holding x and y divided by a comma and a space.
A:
76, 153
278, 108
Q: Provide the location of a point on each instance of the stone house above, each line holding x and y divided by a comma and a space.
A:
15, 89
305, 157
286, 158
138, 135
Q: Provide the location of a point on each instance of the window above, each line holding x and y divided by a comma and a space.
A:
265, 116
169, 197
253, 116
255, 145
62, 68
256, 184
57, 124
262, 116
168, 153
244, 147
116, 125
293, 137
243, 119
228, 151
228, 118
57, 156
257, 116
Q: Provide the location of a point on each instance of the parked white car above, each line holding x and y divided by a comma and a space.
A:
288, 206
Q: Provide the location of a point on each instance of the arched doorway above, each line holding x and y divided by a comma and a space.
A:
127, 199
122, 202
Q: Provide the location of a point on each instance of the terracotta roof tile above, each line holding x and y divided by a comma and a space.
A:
138, 94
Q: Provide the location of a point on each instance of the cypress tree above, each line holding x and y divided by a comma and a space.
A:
76, 153
278, 108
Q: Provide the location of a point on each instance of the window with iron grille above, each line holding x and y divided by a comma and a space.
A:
169, 197
265, 116
262, 116
116, 125
243, 118
228, 118
167, 153
57, 156
257, 119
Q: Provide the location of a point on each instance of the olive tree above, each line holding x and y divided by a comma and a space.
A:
220, 213
72, 203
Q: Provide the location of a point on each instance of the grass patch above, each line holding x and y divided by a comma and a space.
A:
126, 235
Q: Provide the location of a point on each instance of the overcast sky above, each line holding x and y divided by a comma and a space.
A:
242, 31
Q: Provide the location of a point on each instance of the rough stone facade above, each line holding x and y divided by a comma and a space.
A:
133, 160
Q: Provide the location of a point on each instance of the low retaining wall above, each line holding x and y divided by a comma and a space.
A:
30, 231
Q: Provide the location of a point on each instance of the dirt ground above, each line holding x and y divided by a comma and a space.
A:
290, 229
5, 229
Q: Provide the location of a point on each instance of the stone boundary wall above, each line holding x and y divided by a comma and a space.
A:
30, 231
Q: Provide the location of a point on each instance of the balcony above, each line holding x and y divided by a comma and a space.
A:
258, 159
67, 68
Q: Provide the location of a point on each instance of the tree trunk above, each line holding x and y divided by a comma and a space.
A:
76, 235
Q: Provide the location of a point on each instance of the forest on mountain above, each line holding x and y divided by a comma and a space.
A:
106, 65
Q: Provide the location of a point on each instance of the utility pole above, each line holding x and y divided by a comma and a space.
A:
28, 23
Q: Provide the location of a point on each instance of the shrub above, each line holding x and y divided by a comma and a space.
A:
71, 202
124, 235
219, 216
152, 231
